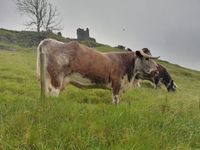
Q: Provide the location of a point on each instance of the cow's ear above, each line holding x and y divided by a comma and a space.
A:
172, 81
138, 54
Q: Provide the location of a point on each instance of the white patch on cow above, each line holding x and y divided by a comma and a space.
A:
115, 99
45, 51
48, 86
61, 59
51, 90
55, 41
54, 92
51, 41
79, 79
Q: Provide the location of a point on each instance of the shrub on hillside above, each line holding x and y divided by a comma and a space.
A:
28, 38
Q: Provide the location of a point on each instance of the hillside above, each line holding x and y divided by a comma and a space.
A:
85, 119
12, 40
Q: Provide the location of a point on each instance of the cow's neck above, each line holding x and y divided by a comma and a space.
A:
128, 62
166, 78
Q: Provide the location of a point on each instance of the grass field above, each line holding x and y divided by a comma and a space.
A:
86, 119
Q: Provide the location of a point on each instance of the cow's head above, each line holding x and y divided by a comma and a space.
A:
145, 64
171, 87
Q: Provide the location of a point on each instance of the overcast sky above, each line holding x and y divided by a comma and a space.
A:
169, 28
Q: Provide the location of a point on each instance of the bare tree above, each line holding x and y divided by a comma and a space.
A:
51, 22
41, 13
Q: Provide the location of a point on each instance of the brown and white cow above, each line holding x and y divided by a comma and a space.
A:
85, 67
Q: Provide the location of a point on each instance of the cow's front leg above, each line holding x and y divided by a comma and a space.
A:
136, 83
115, 92
115, 99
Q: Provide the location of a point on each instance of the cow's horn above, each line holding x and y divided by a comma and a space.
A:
148, 56
175, 84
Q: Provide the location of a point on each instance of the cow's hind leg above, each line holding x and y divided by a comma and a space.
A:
54, 91
56, 85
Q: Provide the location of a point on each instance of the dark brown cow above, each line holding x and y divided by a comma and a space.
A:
85, 67
162, 77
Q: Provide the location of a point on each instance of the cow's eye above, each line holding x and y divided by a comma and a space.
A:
147, 59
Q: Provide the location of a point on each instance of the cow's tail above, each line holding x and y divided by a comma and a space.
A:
40, 50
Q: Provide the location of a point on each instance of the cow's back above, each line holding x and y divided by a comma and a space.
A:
72, 57
90, 64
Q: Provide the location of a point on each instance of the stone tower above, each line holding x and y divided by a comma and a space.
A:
83, 34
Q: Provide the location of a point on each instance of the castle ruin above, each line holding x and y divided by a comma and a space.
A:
83, 34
